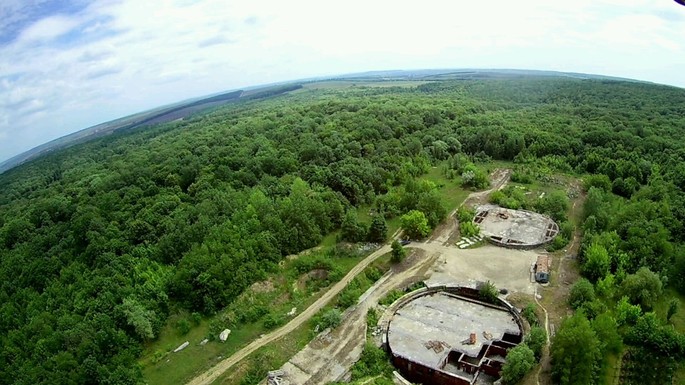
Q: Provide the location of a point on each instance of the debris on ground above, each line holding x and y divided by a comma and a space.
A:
223, 336
275, 377
183, 346
470, 341
437, 346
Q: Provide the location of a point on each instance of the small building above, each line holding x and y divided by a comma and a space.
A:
542, 268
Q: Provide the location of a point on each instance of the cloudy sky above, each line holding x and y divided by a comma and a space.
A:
69, 64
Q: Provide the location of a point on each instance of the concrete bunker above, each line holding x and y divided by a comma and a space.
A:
519, 229
447, 336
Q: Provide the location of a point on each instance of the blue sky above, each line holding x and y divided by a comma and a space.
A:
66, 65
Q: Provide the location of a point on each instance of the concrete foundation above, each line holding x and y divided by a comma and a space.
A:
447, 336
515, 228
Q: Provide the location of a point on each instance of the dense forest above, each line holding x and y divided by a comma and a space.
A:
100, 242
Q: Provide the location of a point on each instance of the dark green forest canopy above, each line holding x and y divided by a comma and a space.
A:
98, 242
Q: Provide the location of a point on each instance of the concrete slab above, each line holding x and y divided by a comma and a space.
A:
506, 268
515, 228
445, 319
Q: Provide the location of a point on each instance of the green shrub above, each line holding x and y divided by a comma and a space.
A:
581, 293
468, 229
528, 313
183, 327
536, 340
273, 321
465, 215
196, 317
488, 292
373, 362
391, 297
520, 361
331, 318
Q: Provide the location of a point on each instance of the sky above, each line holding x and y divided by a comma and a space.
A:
69, 64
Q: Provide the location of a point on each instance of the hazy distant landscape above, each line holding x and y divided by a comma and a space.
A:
182, 110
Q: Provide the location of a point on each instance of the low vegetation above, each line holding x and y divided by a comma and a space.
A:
108, 246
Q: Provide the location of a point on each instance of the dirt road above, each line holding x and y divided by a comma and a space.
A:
329, 356
212, 374
500, 178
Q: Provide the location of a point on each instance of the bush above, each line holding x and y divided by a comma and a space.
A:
468, 229
497, 197
488, 292
196, 317
373, 362
528, 313
600, 181
372, 318
581, 293
398, 252
350, 295
536, 340
520, 361
673, 307
273, 321
391, 297
627, 314
558, 243
331, 318
593, 308
465, 215
183, 327
643, 288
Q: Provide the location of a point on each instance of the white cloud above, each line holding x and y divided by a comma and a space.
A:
48, 29
122, 56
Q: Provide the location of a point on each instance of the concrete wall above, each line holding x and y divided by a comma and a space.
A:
418, 373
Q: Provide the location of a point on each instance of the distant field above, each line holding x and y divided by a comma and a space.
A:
338, 84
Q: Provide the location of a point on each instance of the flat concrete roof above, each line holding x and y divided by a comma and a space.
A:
443, 320
515, 227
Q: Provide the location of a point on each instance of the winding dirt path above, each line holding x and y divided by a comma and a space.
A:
571, 249
213, 373
500, 178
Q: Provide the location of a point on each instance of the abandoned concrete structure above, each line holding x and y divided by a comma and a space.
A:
447, 336
518, 229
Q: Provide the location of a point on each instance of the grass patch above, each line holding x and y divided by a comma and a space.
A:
394, 295
253, 368
661, 309
450, 190
255, 312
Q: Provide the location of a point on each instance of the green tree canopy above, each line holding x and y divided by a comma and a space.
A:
398, 252
571, 365
520, 360
643, 288
415, 224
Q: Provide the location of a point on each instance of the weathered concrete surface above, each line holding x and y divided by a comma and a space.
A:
515, 228
448, 320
